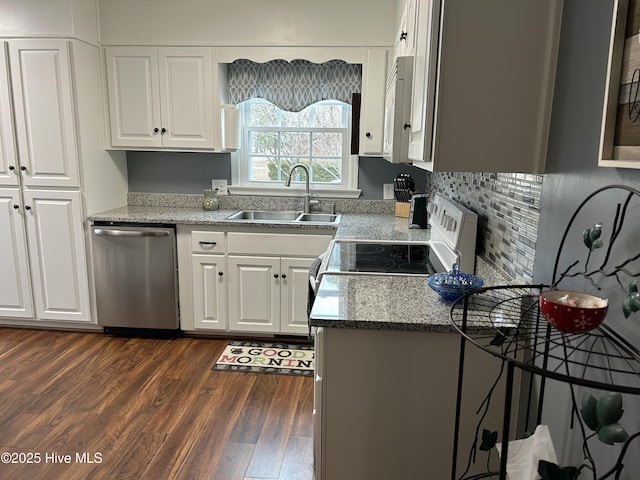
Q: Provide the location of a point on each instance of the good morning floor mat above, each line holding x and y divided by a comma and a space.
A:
261, 357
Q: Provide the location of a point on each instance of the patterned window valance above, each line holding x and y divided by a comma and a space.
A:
294, 85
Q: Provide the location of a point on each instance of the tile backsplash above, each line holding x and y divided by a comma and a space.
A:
507, 204
508, 208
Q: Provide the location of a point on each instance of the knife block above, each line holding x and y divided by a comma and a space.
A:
402, 209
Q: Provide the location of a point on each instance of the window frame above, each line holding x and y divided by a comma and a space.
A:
240, 163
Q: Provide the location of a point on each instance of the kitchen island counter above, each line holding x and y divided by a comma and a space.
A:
386, 379
386, 302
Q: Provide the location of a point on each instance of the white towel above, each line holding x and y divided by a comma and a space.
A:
523, 455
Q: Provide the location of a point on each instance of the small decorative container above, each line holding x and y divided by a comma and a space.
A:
572, 312
210, 201
453, 284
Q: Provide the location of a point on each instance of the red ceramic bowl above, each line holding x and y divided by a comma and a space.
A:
573, 312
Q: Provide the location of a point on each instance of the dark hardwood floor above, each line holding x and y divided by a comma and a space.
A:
145, 409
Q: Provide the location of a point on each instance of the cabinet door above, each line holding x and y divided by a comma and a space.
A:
15, 292
209, 292
373, 89
294, 290
8, 154
411, 26
45, 128
57, 255
423, 86
405, 39
254, 293
186, 91
134, 97
510, 56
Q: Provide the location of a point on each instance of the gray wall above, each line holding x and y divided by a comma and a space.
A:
573, 174
168, 172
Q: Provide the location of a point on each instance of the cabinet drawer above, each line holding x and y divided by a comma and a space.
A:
208, 242
277, 244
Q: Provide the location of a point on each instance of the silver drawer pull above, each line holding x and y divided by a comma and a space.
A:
207, 244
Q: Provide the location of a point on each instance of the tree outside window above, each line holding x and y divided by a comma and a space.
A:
315, 137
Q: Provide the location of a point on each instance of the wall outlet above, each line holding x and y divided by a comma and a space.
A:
221, 185
387, 193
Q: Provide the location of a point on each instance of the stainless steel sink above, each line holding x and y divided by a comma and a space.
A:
286, 216
273, 215
318, 217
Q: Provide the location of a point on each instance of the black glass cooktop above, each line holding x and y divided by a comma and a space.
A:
388, 258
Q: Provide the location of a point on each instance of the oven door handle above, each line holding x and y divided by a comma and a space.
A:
131, 233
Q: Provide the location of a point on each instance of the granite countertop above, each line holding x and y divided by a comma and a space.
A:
370, 226
387, 302
381, 302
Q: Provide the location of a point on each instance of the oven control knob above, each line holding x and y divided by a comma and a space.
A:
431, 207
450, 224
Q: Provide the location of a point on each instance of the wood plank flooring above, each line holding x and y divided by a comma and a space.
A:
122, 408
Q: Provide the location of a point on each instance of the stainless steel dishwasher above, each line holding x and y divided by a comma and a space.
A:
136, 278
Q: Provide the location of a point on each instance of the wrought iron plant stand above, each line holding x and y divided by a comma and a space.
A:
505, 321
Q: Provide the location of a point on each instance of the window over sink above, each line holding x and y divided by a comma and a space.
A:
273, 140
292, 113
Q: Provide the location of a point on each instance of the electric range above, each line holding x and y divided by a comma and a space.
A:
452, 240
389, 258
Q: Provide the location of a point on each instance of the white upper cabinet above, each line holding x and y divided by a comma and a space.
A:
407, 31
483, 84
134, 97
44, 114
161, 97
186, 93
374, 76
8, 153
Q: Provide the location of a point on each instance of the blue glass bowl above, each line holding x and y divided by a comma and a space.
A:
453, 284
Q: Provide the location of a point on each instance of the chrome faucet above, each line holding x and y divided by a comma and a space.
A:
307, 196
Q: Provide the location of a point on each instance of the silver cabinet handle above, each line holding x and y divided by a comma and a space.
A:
207, 244
131, 233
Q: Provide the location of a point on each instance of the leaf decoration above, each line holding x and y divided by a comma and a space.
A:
588, 412
501, 336
602, 415
489, 440
609, 409
591, 237
612, 433
551, 471
631, 302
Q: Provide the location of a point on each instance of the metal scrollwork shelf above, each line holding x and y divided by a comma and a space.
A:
505, 321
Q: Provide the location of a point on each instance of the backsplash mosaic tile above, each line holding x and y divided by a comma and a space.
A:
507, 204
508, 208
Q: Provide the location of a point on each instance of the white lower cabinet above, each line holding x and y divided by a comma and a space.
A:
44, 236
209, 291
268, 294
246, 281
15, 291
294, 289
254, 293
